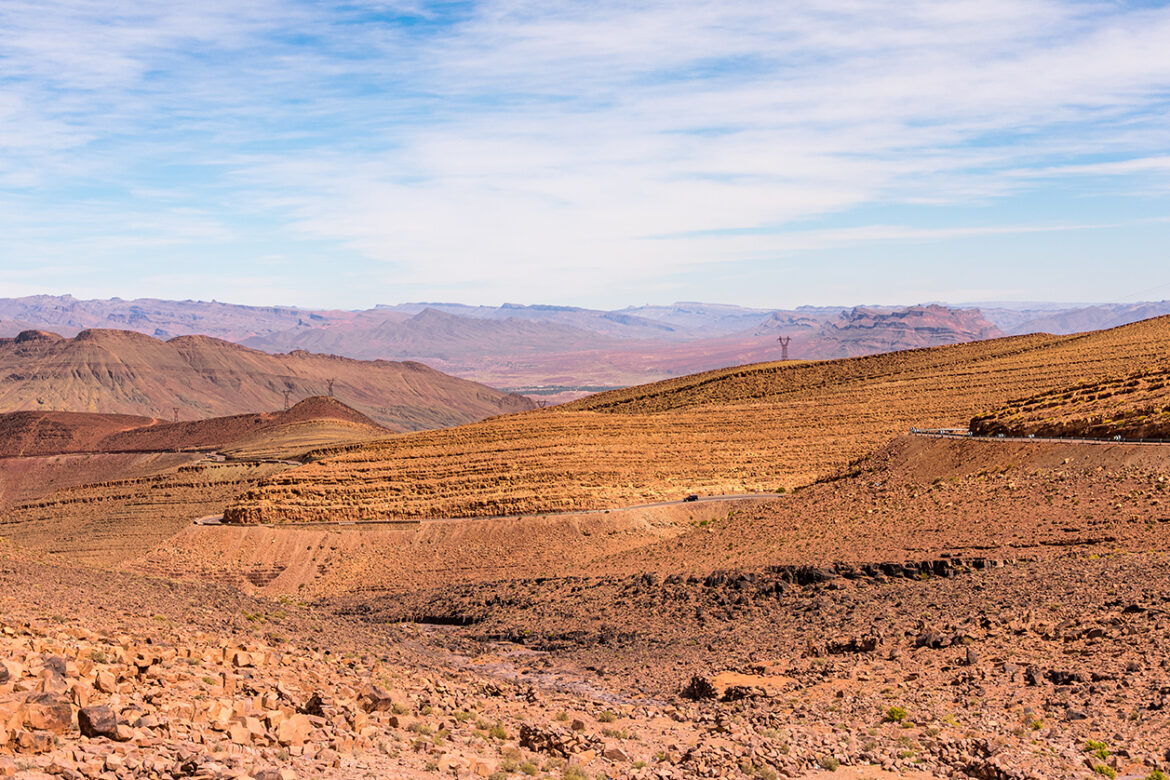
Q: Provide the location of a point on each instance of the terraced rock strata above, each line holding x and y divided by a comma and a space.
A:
754, 428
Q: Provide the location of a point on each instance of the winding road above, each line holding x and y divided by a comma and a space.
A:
217, 520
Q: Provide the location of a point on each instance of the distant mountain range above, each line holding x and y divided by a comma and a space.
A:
559, 351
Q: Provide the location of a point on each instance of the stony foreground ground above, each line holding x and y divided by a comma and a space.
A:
939, 610
993, 669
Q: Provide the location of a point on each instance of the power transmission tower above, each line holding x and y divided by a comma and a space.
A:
784, 342
330, 388
287, 392
174, 414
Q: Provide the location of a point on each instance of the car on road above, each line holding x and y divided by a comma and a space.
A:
691, 497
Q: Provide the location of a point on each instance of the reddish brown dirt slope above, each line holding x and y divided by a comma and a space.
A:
50, 433
24, 434
219, 432
27, 479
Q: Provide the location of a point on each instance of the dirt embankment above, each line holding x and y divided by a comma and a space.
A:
28, 479
1136, 406
330, 560
922, 497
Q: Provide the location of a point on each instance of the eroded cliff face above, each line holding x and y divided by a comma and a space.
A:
863, 331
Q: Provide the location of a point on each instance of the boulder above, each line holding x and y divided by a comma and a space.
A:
97, 721
106, 682
50, 712
931, 639
375, 699
615, 753
294, 731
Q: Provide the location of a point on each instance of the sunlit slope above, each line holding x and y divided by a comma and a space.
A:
103, 523
744, 429
1136, 406
291, 440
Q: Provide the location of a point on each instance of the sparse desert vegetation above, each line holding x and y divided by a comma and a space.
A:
1134, 406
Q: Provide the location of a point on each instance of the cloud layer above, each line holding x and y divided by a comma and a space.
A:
605, 152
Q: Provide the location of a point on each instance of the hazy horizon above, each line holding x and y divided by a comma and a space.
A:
1011, 304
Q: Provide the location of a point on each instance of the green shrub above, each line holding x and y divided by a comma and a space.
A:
895, 715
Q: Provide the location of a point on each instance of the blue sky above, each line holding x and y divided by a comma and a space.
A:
598, 154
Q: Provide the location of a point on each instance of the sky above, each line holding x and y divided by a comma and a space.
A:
597, 153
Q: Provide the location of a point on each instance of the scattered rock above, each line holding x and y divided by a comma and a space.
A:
97, 721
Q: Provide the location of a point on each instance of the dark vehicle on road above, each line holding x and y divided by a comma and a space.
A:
691, 497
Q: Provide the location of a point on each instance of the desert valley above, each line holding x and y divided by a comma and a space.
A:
607, 390
948, 559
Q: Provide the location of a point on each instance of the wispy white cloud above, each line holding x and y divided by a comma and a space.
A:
545, 148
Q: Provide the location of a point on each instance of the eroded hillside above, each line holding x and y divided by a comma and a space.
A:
1136, 406
752, 428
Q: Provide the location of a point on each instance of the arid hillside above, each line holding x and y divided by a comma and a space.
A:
921, 496
754, 428
25, 479
24, 434
194, 377
939, 608
313, 422
1136, 406
136, 486
935, 608
101, 523
259, 428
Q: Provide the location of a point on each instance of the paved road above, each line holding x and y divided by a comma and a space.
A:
217, 520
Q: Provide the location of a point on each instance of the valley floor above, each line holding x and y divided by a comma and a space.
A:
939, 609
